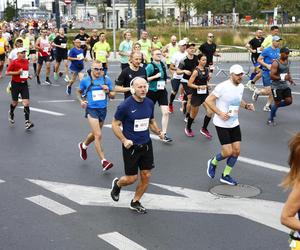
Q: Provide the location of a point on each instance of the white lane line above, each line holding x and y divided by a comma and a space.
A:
51, 205
120, 241
263, 164
45, 111
56, 101
296, 93
2, 181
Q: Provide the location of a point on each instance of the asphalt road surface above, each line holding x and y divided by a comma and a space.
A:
51, 199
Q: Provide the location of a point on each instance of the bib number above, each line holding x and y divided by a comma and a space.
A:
141, 125
233, 111
102, 53
82, 43
64, 45
46, 49
24, 74
161, 85
212, 67
80, 56
98, 95
202, 90
282, 76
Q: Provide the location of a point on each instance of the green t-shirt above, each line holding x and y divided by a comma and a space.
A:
157, 45
125, 46
51, 37
101, 50
171, 51
146, 48
150, 71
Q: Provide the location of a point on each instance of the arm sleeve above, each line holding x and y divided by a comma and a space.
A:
217, 91
149, 69
109, 83
121, 79
120, 113
82, 85
181, 65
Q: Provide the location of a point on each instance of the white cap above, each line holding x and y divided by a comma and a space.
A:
20, 50
236, 69
182, 42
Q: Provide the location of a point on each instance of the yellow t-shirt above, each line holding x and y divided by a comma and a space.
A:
3, 44
101, 50
267, 42
26, 43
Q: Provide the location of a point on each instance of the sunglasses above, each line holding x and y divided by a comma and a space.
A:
98, 69
158, 54
210, 36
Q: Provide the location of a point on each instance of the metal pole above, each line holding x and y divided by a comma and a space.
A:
57, 14
140, 11
114, 28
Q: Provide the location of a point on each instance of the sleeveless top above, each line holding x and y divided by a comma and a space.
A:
44, 47
283, 68
201, 79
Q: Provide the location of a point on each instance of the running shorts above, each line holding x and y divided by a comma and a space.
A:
229, 135
18, 88
160, 96
197, 99
281, 94
96, 113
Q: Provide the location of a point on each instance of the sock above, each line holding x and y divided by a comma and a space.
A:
84, 146
273, 112
217, 158
103, 160
230, 164
12, 109
189, 123
26, 113
34, 67
172, 97
253, 74
187, 115
206, 121
227, 170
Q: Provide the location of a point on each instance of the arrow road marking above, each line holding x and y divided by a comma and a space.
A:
120, 241
261, 211
51, 205
44, 111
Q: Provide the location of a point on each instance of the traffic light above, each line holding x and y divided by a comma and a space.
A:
107, 2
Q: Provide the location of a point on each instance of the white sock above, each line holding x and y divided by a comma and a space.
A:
84, 146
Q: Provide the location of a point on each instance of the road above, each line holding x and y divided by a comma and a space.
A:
50, 199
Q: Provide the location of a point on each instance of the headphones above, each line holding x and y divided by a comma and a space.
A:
132, 90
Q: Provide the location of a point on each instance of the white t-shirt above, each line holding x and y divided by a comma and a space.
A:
13, 54
176, 59
229, 98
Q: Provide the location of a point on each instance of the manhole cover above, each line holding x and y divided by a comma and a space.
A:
239, 191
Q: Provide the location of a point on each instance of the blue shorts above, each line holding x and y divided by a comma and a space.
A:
96, 113
266, 78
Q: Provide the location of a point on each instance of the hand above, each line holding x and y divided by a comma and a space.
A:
161, 135
187, 72
292, 82
268, 66
158, 75
127, 143
224, 116
30, 77
83, 103
20, 71
105, 88
250, 106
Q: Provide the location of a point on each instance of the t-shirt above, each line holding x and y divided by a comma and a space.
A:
154, 85
63, 41
3, 44
13, 54
51, 37
229, 98
135, 117
267, 41
176, 59
255, 43
95, 95
125, 46
127, 75
145, 47
171, 51
208, 50
16, 65
76, 66
93, 41
270, 54
157, 45
188, 64
83, 39
101, 50
26, 43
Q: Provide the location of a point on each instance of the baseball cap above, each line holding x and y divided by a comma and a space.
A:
236, 69
276, 38
20, 50
190, 45
182, 42
285, 50
82, 28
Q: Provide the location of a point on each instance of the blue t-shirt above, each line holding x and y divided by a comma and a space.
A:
270, 55
95, 95
76, 66
135, 117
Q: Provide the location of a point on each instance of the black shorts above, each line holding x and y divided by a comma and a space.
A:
229, 135
138, 157
32, 51
187, 90
197, 99
45, 59
61, 56
281, 94
19, 88
160, 96
175, 84
2, 57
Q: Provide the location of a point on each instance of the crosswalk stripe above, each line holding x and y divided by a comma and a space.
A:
120, 241
51, 205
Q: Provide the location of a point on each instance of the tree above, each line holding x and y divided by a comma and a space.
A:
9, 12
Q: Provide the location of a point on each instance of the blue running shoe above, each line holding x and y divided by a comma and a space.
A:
211, 169
228, 180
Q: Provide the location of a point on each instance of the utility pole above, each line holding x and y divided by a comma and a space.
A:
114, 28
16, 3
57, 14
140, 14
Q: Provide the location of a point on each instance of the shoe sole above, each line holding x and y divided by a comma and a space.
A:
109, 166
31, 126
11, 121
207, 169
138, 211
207, 136
227, 182
188, 135
112, 186
80, 152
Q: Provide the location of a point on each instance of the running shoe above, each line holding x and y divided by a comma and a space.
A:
255, 95
28, 125
167, 138
227, 179
115, 190
189, 132
206, 133
185, 119
250, 85
55, 76
67, 79
271, 123
38, 81
107, 165
82, 152
267, 108
8, 88
11, 117
60, 74
171, 108
68, 90
137, 206
47, 81
211, 169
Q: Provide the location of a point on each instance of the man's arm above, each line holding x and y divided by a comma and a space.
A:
155, 129
274, 70
116, 127
211, 103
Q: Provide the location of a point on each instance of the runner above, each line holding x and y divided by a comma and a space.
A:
32, 49
102, 51
156, 43
19, 69
129, 73
76, 56
176, 79
60, 42
83, 37
198, 84
169, 50
3, 49
137, 48
146, 45
92, 40
157, 77
125, 49
135, 115
43, 46
93, 93
268, 41
280, 75
225, 101
255, 48
266, 59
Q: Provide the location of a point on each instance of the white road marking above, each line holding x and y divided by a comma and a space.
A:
2, 181
261, 211
45, 111
51, 205
56, 101
296, 93
120, 241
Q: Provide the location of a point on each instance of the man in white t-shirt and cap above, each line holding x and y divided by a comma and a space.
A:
225, 100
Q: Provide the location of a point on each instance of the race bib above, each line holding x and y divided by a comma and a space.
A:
82, 42
46, 49
80, 56
64, 45
212, 67
1, 44
282, 76
98, 95
258, 50
233, 111
24, 74
141, 125
202, 90
102, 53
161, 85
